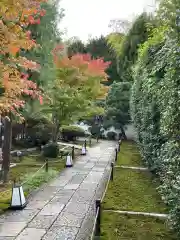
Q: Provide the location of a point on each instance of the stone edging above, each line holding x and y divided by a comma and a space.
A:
157, 215
132, 168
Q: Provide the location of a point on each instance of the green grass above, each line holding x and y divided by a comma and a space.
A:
133, 190
129, 155
120, 227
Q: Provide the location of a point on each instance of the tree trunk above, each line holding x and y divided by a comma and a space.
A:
6, 148
56, 132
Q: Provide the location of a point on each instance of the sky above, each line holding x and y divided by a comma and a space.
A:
85, 18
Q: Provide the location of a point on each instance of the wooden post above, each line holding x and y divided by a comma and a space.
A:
98, 222
47, 165
116, 154
72, 152
90, 141
85, 144
112, 171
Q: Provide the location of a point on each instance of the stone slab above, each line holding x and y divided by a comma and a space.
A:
42, 221
11, 229
59, 183
80, 209
31, 234
35, 205
19, 216
69, 219
61, 199
98, 169
52, 209
82, 196
7, 238
61, 233
71, 186
77, 179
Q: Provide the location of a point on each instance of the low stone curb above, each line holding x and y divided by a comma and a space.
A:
157, 215
132, 168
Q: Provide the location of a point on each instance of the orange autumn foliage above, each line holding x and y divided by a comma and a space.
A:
15, 16
84, 70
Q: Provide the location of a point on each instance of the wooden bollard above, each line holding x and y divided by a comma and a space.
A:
112, 171
85, 144
72, 152
98, 222
46, 166
116, 154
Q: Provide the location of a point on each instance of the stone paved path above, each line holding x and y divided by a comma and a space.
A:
65, 209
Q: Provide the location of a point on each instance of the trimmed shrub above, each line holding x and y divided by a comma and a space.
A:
155, 105
111, 135
51, 150
70, 133
94, 130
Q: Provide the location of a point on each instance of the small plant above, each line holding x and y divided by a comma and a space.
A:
111, 135
51, 150
41, 177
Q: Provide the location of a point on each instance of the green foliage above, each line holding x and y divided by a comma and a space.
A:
70, 133
76, 46
51, 150
98, 48
155, 105
117, 104
33, 182
47, 35
95, 130
123, 227
126, 46
111, 135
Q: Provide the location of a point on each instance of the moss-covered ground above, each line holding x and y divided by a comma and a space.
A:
133, 190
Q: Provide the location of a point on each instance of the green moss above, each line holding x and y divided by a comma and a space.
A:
129, 155
116, 227
134, 191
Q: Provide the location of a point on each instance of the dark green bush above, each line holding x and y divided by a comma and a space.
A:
70, 133
111, 135
51, 150
95, 130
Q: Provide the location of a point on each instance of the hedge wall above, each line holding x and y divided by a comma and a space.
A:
155, 108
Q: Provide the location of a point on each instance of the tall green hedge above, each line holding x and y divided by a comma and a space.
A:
155, 106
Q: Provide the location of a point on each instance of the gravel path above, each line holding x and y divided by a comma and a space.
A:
65, 208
